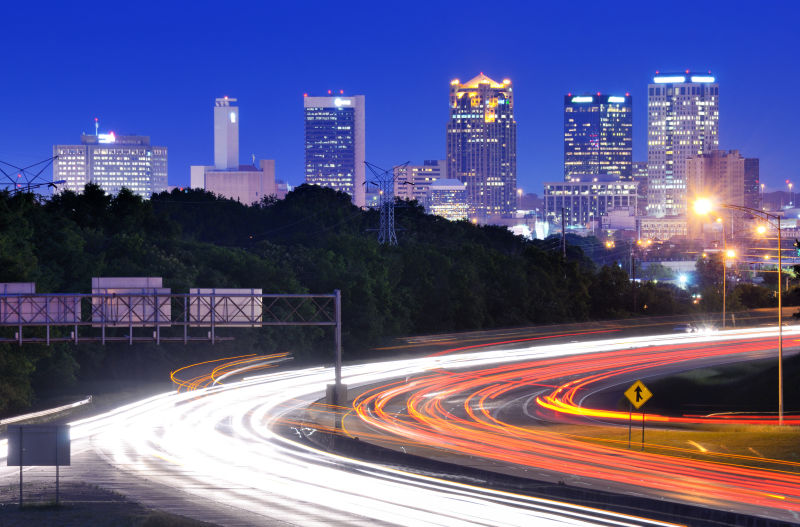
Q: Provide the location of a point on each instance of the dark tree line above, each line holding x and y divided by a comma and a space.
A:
443, 276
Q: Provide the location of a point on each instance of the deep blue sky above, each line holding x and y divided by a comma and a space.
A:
154, 68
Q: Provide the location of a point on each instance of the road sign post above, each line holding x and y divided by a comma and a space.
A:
637, 394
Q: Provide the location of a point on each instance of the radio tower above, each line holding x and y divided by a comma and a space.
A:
384, 180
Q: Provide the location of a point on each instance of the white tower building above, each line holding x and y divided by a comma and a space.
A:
226, 134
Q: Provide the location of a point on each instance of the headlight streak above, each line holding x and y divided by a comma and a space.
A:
217, 443
417, 412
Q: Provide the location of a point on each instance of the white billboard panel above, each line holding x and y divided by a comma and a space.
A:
231, 307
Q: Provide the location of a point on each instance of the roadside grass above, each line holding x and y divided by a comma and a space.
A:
740, 387
768, 447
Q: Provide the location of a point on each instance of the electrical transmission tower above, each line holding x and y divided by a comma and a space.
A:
25, 179
384, 180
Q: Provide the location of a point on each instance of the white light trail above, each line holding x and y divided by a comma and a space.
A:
218, 443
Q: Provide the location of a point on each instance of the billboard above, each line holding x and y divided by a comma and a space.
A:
225, 307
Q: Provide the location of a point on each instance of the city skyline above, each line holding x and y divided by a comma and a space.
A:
406, 121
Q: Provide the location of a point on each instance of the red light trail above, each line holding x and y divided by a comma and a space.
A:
460, 412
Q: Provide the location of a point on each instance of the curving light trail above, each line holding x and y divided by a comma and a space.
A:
220, 444
458, 412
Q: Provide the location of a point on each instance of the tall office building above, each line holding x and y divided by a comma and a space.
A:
113, 162
226, 178
414, 181
682, 121
482, 144
598, 136
335, 144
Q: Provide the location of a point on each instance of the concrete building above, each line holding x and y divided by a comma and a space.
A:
682, 121
448, 198
482, 145
226, 178
226, 134
413, 182
661, 229
113, 162
716, 174
719, 175
585, 202
598, 136
335, 144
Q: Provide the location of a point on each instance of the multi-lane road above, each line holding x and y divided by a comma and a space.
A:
216, 453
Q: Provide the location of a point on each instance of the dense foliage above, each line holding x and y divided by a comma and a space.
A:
443, 276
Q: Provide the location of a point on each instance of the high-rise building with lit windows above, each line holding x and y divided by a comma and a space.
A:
335, 144
413, 182
482, 145
598, 136
682, 121
113, 162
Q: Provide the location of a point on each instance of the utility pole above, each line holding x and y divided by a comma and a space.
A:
633, 282
563, 235
384, 180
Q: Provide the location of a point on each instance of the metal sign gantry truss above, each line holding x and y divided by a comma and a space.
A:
172, 313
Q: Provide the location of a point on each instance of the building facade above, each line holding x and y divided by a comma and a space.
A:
482, 144
598, 136
661, 229
752, 183
682, 121
113, 162
248, 184
723, 176
413, 182
335, 144
640, 176
448, 198
585, 202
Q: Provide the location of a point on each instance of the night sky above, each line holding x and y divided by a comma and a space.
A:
155, 68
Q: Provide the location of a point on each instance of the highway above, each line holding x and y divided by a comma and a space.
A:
216, 454
500, 412
213, 454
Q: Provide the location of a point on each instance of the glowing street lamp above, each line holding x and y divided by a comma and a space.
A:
704, 206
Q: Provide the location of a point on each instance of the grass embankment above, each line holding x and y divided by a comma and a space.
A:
747, 387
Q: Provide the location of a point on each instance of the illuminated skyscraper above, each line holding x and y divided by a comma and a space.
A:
683, 121
598, 136
482, 144
335, 144
112, 162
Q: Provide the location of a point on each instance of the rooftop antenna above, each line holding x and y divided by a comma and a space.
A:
96, 127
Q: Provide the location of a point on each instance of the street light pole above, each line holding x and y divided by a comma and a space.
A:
780, 328
704, 207
724, 275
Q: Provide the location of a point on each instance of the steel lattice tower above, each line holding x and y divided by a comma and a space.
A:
25, 179
384, 180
